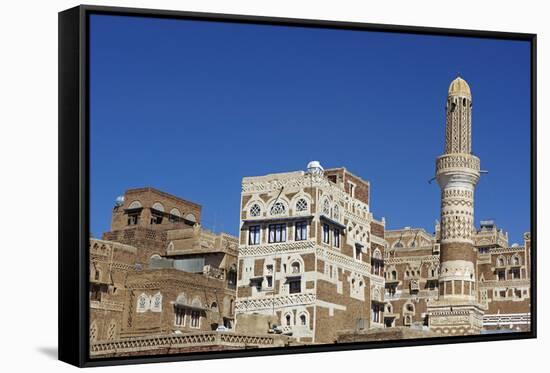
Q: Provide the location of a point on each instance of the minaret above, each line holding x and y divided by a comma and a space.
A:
457, 173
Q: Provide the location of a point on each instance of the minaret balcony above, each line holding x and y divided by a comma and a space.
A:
449, 163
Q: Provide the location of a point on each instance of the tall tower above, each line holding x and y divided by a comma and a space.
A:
457, 172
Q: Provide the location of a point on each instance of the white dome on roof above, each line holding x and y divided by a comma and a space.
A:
314, 167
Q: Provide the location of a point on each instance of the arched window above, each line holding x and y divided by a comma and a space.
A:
326, 207
143, 303
134, 212
501, 261
134, 205
158, 206
303, 319
516, 260
154, 257
301, 205
336, 212
409, 307
288, 319
175, 212
214, 306
196, 302
175, 215
278, 208
232, 276
398, 245
157, 213
295, 267
190, 217
156, 303
394, 275
181, 299
255, 210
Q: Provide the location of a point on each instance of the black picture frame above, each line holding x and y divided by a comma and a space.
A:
74, 182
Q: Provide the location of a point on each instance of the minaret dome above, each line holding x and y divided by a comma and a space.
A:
459, 87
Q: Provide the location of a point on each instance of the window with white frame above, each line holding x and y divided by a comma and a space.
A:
351, 189
255, 210
156, 303
254, 235
157, 213
295, 267
376, 309
294, 285
358, 253
326, 233
300, 231
288, 319
133, 217
195, 319
336, 238
143, 303
277, 233
180, 316
134, 212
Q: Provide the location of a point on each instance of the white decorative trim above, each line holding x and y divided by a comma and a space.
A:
276, 248
343, 261
251, 304
507, 319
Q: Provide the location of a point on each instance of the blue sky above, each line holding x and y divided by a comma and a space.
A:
191, 107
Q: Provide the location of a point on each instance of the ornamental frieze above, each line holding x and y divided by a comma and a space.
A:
451, 161
273, 249
269, 302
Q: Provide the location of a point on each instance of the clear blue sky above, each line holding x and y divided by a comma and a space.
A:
191, 107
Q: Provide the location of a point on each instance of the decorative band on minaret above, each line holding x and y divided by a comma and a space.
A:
457, 173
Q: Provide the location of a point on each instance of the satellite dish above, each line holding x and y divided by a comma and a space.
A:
119, 201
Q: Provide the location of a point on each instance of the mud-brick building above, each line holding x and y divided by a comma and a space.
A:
310, 254
110, 263
142, 218
157, 272
412, 264
504, 282
411, 276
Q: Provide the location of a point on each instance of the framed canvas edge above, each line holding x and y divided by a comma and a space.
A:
73, 193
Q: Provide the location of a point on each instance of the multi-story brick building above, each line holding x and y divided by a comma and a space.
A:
158, 273
310, 253
413, 268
